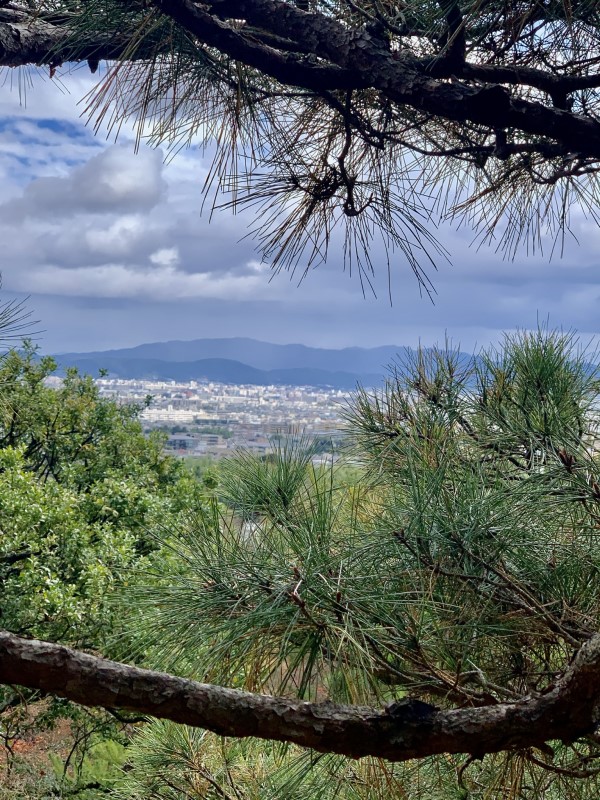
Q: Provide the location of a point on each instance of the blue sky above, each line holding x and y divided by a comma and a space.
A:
112, 250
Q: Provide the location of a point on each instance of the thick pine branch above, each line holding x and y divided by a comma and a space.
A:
28, 40
406, 730
399, 77
342, 58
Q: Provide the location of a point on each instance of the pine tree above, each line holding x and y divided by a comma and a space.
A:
368, 116
434, 613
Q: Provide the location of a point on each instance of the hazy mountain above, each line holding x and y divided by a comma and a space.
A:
260, 355
239, 360
221, 370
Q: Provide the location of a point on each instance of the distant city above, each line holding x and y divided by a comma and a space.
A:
213, 419
212, 396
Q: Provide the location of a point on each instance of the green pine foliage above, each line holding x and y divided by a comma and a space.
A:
461, 568
453, 557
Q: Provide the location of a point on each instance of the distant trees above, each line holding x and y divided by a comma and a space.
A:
444, 604
369, 115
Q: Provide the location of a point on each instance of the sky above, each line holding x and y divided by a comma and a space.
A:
111, 249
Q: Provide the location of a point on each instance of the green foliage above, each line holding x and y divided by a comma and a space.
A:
174, 762
98, 767
57, 566
255, 485
80, 486
81, 490
462, 568
70, 434
84, 764
454, 559
204, 469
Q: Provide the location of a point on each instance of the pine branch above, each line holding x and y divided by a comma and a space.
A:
341, 58
405, 730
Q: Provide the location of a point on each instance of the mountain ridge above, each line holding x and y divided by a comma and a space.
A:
220, 371
243, 360
255, 353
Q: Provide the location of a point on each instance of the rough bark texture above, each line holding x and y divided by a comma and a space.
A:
25, 40
405, 730
404, 79
318, 52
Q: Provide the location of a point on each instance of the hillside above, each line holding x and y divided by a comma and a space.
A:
221, 370
243, 360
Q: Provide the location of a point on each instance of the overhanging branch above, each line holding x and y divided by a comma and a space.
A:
26, 41
405, 730
339, 57
364, 61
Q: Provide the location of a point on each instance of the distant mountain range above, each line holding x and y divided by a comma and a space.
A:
241, 360
260, 355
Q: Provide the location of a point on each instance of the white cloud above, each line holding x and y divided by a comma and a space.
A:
258, 267
166, 257
116, 239
86, 225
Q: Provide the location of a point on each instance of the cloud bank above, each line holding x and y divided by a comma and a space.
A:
111, 246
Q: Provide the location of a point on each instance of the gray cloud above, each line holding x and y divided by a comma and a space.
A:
114, 181
113, 250
129, 239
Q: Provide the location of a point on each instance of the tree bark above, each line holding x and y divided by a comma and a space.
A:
400, 77
29, 40
404, 730
340, 58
